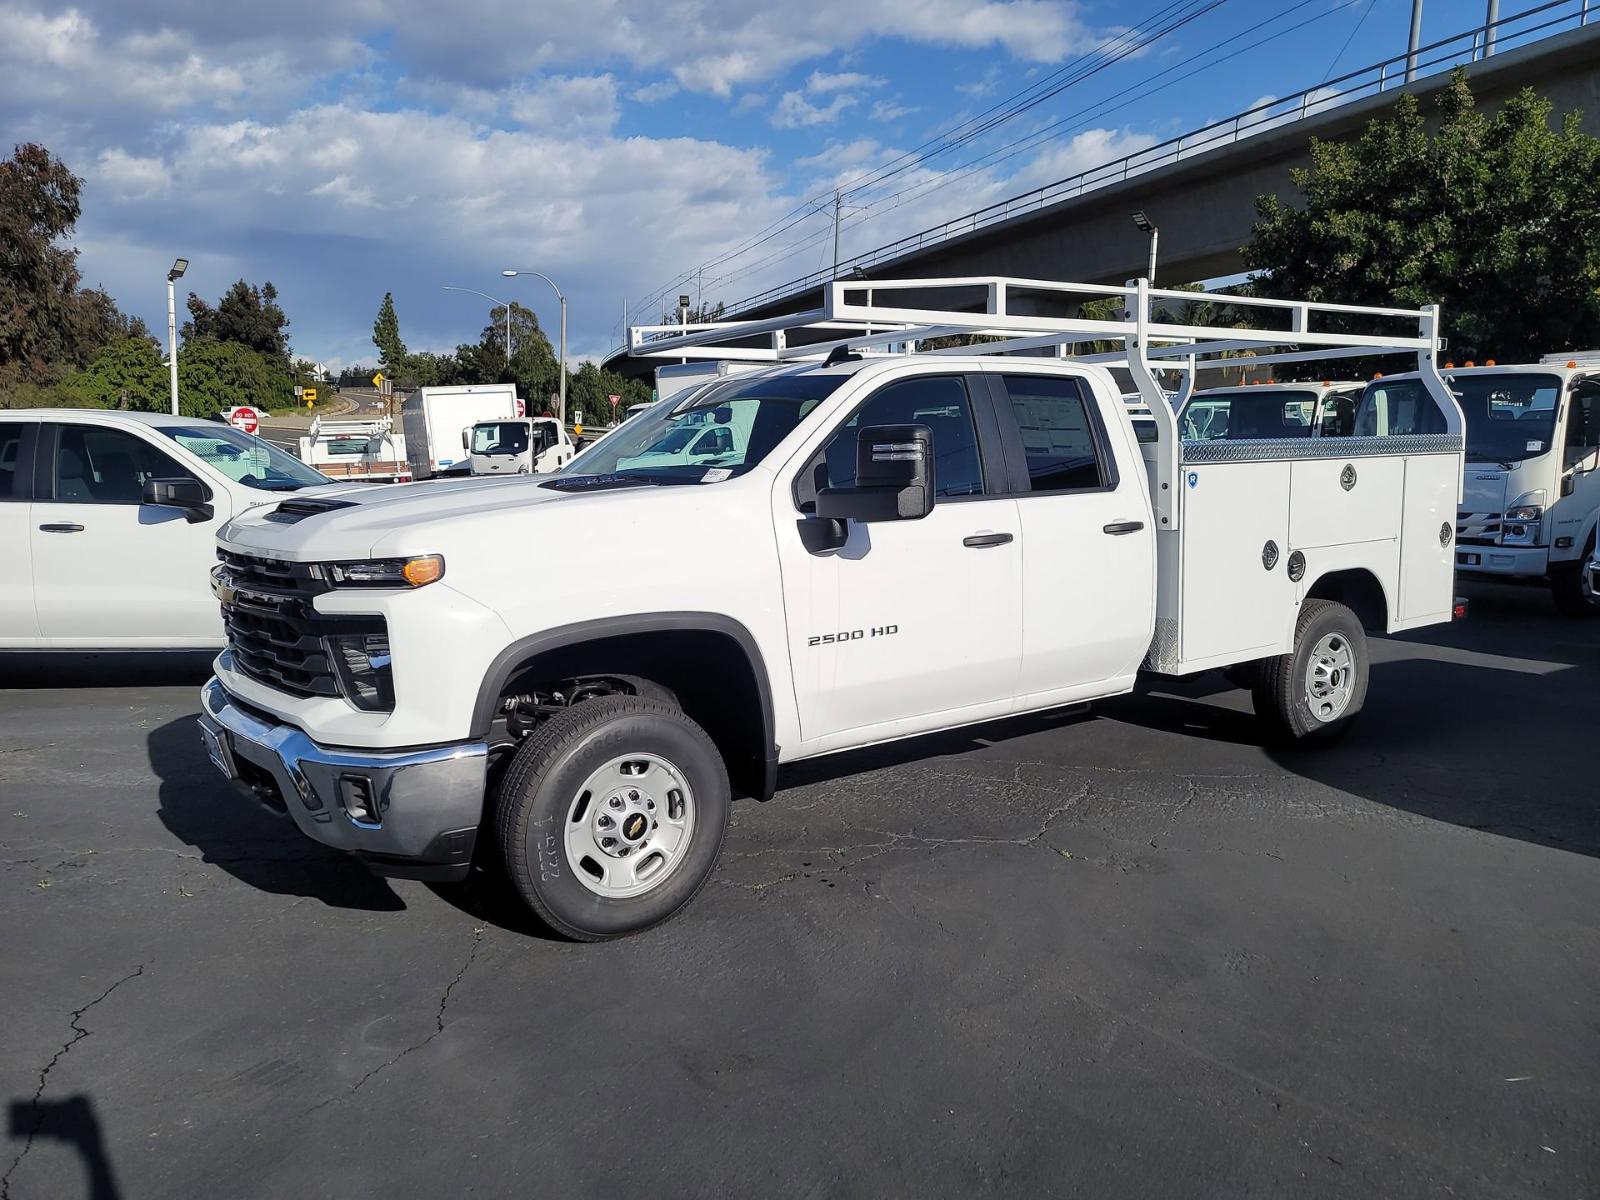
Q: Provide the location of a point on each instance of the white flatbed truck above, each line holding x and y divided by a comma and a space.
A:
899, 542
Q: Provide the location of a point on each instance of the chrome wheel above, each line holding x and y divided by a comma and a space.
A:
629, 826
1330, 677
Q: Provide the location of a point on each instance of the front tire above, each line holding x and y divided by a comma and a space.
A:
1571, 596
611, 816
1314, 694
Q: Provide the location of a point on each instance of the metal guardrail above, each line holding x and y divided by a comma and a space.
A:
1469, 46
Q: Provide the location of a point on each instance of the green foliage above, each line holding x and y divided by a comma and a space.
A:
590, 390
386, 337
247, 315
126, 374
212, 376
1495, 218
48, 325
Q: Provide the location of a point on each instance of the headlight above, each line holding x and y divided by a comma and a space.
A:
362, 662
387, 572
1527, 507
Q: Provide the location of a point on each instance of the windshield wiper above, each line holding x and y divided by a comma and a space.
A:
579, 482
1499, 462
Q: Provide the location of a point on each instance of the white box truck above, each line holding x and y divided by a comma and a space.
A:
438, 421
890, 544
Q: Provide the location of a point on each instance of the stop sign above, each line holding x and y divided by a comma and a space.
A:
245, 418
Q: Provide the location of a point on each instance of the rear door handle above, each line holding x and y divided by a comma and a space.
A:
980, 540
61, 527
1117, 528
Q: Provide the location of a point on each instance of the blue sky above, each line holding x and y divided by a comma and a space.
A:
345, 148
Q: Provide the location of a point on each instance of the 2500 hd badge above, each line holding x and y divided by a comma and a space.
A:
851, 635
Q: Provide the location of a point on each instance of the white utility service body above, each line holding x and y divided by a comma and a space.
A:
437, 422
519, 446
1532, 494
98, 560
899, 543
356, 450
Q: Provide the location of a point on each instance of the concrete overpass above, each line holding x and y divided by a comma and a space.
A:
1203, 199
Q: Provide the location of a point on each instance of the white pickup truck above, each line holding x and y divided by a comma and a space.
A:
898, 543
108, 524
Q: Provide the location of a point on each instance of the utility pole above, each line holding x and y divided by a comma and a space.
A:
1416, 40
699, 291
837, 200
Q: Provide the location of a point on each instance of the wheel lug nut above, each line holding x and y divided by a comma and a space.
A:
604, 822
633, 795
650, 804
615, 802
608, 842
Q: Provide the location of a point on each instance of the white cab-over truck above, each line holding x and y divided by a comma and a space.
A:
899, 543
108, 524
1532, 494
519, 446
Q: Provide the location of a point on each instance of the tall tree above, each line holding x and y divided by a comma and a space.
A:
386, 337
48, 324
248, 315
1495, 218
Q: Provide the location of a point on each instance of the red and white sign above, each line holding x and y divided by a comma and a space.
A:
244, 417
615, 400
522, 407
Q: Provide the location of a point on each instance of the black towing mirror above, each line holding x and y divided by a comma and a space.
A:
894, 482
187, 494
894, 477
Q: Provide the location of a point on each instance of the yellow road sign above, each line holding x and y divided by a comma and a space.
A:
377, 380
309, 395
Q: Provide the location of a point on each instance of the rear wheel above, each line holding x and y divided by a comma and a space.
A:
1314, 693
611, 816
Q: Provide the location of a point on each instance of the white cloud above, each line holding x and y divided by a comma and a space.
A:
794, 111
821, 83
650, 93
890, 110
583, 104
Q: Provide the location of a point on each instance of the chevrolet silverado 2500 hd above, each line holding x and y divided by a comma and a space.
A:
895, 543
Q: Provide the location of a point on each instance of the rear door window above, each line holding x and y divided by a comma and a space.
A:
1059, 442
16, 476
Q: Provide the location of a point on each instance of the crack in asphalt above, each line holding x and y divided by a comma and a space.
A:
896, 841
36, 1121
438, 1028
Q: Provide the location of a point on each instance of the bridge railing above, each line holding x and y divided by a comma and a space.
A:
1468, 46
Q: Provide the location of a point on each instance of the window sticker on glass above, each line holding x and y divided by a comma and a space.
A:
1535, 447
716, 475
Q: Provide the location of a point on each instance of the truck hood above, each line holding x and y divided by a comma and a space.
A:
392, 520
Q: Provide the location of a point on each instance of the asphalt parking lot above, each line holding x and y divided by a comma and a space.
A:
1126, 954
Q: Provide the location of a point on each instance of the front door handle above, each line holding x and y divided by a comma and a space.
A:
979, 541
61, 527
1117, 528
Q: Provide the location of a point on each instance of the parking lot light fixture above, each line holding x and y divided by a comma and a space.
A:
1144, 224
179, 266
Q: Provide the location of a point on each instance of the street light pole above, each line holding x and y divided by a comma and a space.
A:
502, 303
1146, 225
561, 407
179, 266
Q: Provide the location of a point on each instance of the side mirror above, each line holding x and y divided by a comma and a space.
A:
894, 477
466, 439
187, 494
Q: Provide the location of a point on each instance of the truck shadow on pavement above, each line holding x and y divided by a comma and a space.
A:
136, 668
74, 1122
253, 845
1487, 723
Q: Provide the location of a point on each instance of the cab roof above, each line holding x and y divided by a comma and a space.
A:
112, 416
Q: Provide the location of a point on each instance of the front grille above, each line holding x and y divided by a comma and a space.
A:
1477, 529
277, 638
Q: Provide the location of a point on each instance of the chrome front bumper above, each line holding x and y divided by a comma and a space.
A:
409, 813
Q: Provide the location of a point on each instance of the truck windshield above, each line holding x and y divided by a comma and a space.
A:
245, 459
715, 433
1250, 413
1509, 417
499, 437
